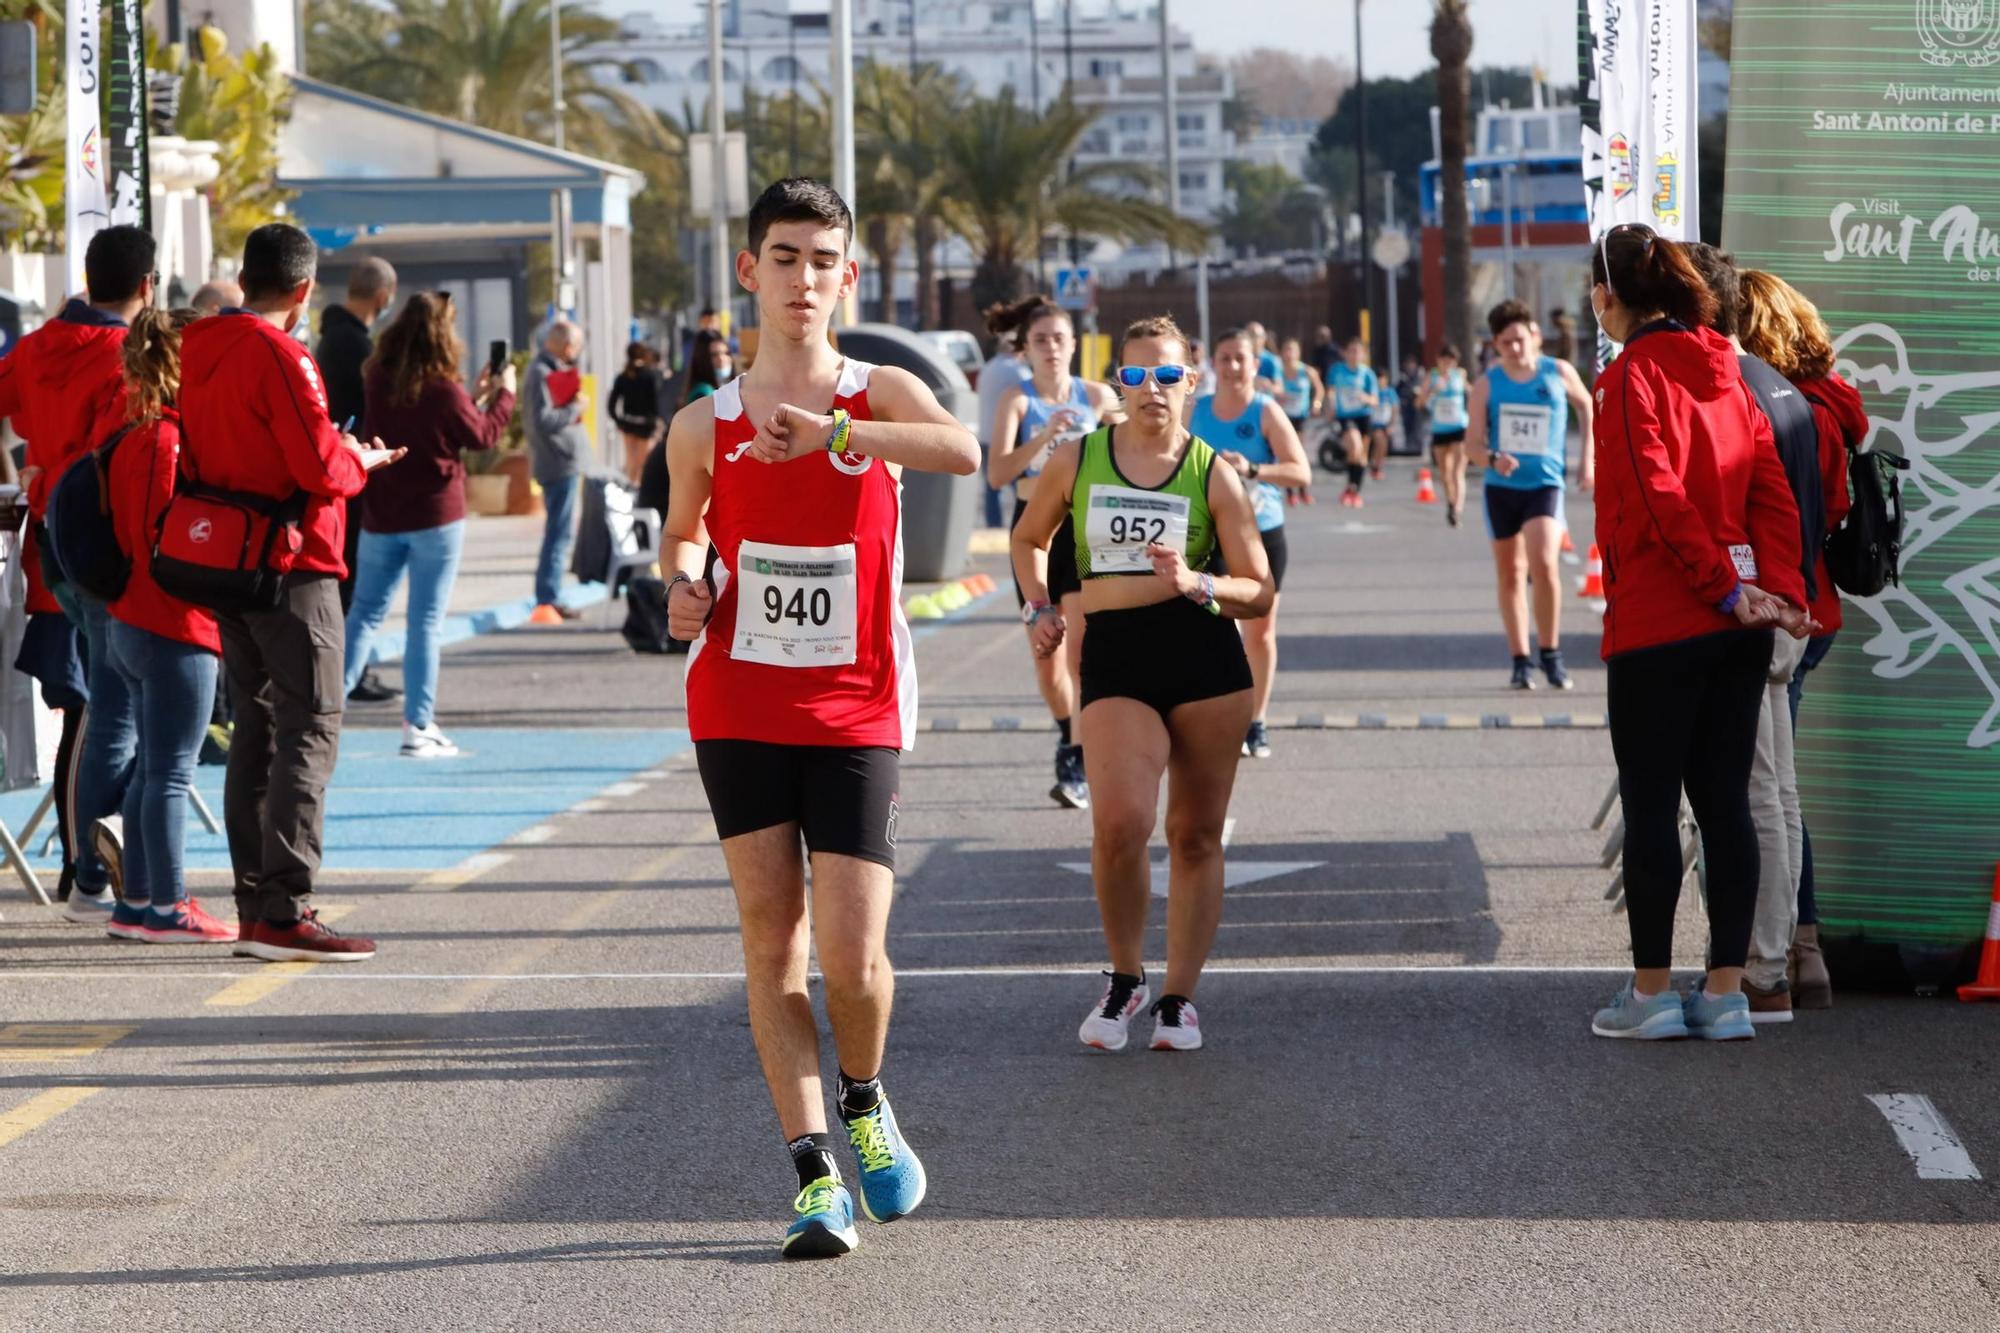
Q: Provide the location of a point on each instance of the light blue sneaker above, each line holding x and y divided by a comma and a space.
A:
1627, 1016
1724, 1019
824, 1227
892, 1179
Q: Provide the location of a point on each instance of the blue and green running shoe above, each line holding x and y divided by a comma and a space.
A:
1656, 1019
1724, 1018
892, 1179
824, 1227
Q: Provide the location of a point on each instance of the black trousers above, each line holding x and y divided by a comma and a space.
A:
1684, 715
284, 669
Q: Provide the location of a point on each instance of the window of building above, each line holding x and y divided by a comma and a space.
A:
699, 73
1194, 182
1191, 120
1134, 122
1101, 68
646, 71
781, 69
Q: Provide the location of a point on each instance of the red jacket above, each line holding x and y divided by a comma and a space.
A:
142, 481
1691, 497
1837, 411
61, 385
253, 415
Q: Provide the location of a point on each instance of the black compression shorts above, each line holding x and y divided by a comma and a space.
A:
843, 798
1063, 579
1164, 655
1277, 552
1509, 509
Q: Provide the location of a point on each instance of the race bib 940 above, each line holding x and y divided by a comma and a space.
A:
796, 606
1122, 521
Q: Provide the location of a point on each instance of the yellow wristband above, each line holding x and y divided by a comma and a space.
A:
843, 424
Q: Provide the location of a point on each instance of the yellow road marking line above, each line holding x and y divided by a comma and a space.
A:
452, 877
272, 976
39, 1109
57, 1041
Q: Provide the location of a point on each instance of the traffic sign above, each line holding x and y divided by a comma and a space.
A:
1076, 288
1392, 250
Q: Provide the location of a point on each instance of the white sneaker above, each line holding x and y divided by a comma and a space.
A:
1106, 1026
426, 743
92, 909
1176, 1027
107, 839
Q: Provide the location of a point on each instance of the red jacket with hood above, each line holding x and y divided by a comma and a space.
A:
1691, 497
142, 481
1837, 411
253, 417
63, 385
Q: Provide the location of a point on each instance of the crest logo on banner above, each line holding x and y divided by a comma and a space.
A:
1960, 31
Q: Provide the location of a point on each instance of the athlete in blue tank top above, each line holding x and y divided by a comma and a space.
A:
1518, 429
1250, 432
1444, 395
1355, 390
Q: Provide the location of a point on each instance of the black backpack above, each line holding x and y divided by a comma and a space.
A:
80, 530
1863, 553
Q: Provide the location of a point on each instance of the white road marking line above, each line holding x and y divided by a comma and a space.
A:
452, 877
1926, 1136
622, 789
652, 775
590, 807
915, 973
538, 833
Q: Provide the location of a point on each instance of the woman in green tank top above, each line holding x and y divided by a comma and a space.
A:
1166, 688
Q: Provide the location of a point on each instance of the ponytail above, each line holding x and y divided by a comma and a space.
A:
1010, 322
152, 361
1652, 276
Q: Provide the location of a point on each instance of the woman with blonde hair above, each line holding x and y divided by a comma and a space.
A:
413, 515
1780, 326
165, 651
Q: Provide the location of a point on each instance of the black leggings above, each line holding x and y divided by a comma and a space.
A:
1685, 714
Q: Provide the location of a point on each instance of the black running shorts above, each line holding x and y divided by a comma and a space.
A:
1063, 578
1509, 509
1441, 439
844, 799
1165, 655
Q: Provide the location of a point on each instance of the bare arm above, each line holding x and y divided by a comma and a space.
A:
1247, 593
1586, 420
1009, 457
1041, 519
684, 542
1291, 469
1475, 425
909, 429
1319, 392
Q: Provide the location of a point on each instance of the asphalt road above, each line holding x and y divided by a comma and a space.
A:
539, 1107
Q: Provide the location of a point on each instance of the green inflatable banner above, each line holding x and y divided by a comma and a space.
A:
1864, 168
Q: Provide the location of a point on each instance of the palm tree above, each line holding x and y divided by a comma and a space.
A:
485, 62
31, 146
899, 117
1005, 177
1451, 47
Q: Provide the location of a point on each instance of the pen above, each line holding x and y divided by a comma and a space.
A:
348, 429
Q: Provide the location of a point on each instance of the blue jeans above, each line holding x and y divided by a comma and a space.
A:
1816, 651
103, 768
431, 556
991, 499
558, 532
172, 688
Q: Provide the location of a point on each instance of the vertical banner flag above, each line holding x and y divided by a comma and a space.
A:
87, 205
1636, 72
131, 193
1864, 143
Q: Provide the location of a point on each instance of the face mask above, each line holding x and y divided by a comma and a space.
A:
725, 374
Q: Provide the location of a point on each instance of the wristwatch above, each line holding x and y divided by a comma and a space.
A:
1032, 611
1252, 474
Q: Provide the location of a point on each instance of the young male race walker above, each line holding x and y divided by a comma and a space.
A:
801, 685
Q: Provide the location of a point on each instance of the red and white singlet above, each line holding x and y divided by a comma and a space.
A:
807, 644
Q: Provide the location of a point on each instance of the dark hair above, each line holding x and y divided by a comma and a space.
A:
277, 258
1356, 340
639, 354
1012, 322
1231, 335
1451, 350
419, 346
1725, 283
701, 364
1651, 275
710, 312
799, 199
1506, 315
1155, 326
117, 263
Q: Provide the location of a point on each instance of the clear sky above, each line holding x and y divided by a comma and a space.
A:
1517, 32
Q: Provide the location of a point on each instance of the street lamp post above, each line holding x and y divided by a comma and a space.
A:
718, 214
840, 28
1171, 109
1361, 181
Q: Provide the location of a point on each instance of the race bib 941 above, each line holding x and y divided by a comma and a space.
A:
1122, 521
1524, 430
795, 605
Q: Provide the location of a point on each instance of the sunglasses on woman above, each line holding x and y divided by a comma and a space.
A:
1133, 377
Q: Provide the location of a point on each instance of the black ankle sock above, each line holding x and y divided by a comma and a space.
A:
1355, 472
1524, 661
1548, 653
859, 1097
812, 1157
1062, 729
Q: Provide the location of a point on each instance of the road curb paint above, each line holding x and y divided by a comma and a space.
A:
39, 1109
390, 644
31, 1042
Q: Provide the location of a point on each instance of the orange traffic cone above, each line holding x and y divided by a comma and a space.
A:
1426, 494
1987, 985
1593, 575
1569, 547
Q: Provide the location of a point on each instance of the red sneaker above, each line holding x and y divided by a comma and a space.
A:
306, 941
186, 923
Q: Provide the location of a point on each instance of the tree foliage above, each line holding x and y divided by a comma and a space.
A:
241, 103
1273, 210
31, 146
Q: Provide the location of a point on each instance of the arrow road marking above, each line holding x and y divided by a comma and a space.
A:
1234, 873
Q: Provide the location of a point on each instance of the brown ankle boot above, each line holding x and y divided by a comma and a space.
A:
1812, 986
